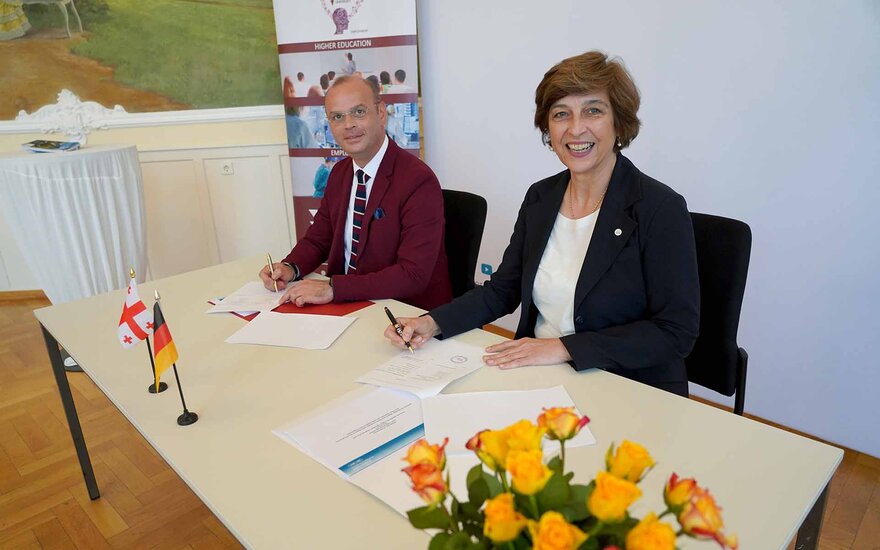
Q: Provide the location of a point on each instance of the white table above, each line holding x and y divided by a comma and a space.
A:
78, 217
272, 496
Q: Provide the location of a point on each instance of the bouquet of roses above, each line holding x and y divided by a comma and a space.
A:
522, 502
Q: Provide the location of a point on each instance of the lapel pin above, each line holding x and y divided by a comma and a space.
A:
378, 214
618, 232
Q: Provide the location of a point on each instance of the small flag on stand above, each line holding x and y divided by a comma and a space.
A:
164, 350
136, 321
166, 356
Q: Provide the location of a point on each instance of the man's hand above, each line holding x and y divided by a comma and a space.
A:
416, 330
280, 273
309, 291
527, 352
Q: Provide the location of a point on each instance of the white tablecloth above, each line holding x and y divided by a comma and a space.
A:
78, 218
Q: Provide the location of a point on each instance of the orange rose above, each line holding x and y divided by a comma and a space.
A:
701, 518
651, 534
552, 532
678, 492
422, 451
492, 448
427, 481
611, 497
629, 462
524, 436
528, 472
561, 423
503, 523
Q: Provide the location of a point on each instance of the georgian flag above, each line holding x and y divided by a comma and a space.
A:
136, 322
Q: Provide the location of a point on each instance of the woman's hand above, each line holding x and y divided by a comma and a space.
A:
416, 330
527, 352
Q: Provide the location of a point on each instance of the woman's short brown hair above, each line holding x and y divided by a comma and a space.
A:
587, 73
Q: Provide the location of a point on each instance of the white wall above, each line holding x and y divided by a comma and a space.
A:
763, 111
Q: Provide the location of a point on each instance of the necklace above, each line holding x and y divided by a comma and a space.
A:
571, 202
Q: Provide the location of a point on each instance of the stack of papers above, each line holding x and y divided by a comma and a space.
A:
364, 435
427, 371
292, 330
250, 298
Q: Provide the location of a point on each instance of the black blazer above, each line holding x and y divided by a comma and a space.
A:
637, 310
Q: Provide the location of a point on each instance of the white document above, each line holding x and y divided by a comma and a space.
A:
292, 330
359, 429
250, 298
459, 416
427, 371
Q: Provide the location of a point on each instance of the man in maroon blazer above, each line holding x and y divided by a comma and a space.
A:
380, 224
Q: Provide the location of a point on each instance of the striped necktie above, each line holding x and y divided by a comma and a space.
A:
357, 218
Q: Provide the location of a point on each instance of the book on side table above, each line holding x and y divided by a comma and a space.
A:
49, 146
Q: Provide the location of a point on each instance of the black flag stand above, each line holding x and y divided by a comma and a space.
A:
162, 385
187, 417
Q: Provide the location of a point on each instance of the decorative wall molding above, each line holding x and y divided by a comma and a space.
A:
71, 116
74, 117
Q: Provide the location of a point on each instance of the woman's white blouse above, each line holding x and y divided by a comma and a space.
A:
558, 272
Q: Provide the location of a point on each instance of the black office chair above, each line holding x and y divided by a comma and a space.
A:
465, 219
723, 249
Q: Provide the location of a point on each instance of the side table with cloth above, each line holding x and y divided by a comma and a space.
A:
78, 218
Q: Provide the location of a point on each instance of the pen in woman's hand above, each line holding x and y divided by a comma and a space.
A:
398, 329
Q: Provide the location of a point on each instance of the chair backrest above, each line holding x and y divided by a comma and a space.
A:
465, 220
723, 250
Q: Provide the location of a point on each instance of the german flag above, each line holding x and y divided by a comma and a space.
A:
164, 350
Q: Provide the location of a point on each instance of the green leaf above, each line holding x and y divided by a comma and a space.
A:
591, 543
438, 541
474, 473
555, 464
494, 485
429, 518
478, 492
575, 510
555, 494
458, 541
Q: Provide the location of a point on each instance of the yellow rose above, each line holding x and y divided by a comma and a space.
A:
611, 497
552, 532
651, 534
528, 471
422, 451
427, 481
629, 462
561, 423
678, 492
493, 449
701, 518
503, 523
524, 436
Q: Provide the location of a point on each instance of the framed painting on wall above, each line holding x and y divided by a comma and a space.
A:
147, 57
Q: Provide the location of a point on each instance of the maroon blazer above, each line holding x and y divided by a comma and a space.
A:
401, 253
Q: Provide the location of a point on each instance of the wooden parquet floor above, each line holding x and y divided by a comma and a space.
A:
43, 500
144, 504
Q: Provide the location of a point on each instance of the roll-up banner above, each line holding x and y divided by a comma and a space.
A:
319, 40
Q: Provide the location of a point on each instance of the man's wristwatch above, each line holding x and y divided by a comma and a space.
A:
294, 268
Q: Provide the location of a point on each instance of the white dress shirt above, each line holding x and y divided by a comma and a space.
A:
370, 169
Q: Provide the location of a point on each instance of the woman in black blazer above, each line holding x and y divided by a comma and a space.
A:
602, 257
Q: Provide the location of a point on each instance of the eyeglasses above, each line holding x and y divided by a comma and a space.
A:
357, 113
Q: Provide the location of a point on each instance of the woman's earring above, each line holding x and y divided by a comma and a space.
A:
545, 137
619, 144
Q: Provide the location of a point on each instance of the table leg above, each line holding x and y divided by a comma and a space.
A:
808, 534
70, 411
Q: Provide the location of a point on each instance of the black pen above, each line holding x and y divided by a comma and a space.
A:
398, 328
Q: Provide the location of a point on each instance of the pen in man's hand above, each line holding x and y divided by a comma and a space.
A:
269, 263
398, 329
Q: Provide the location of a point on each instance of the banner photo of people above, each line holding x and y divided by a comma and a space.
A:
320, 40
